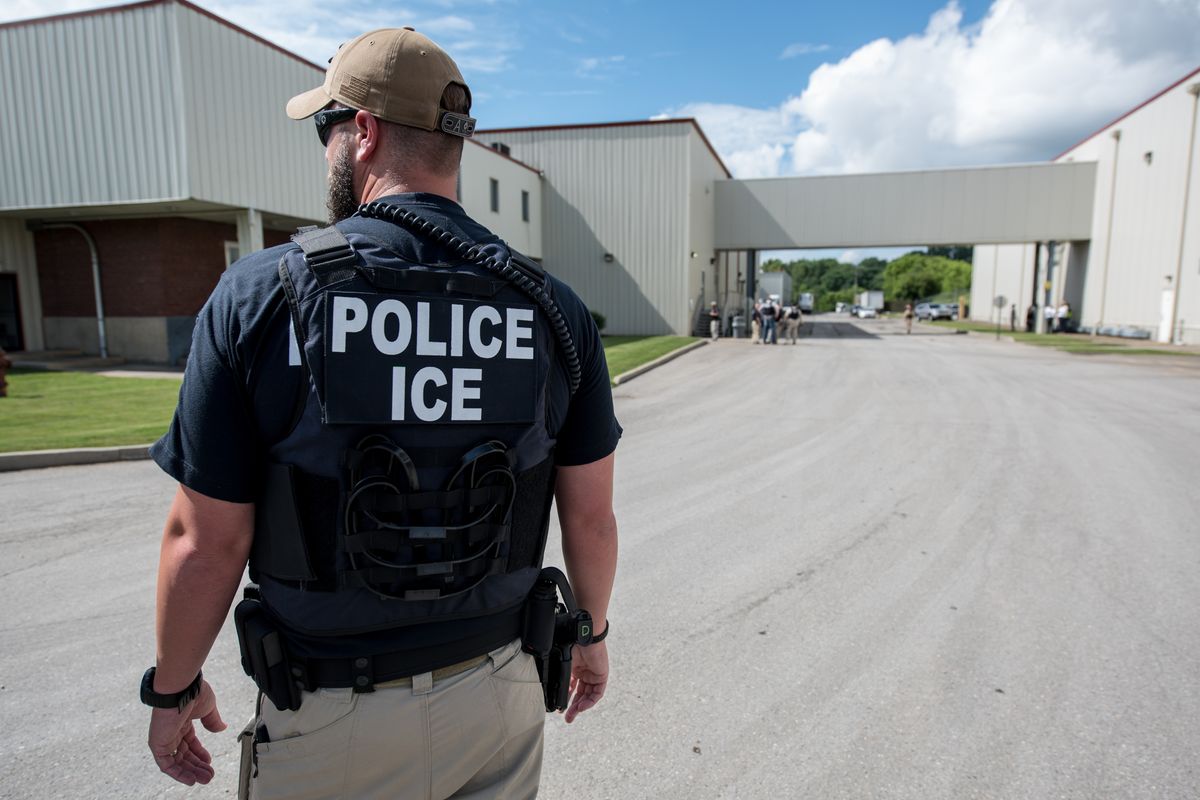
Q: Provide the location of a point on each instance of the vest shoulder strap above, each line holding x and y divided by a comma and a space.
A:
327, 252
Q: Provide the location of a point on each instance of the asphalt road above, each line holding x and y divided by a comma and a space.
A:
868, 566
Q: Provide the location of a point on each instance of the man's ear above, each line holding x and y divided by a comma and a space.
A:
369, 131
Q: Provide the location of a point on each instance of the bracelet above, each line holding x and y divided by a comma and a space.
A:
601, 637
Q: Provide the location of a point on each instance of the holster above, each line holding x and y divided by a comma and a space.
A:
552, 629
264, 657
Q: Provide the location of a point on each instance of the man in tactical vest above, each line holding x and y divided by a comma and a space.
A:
376, 418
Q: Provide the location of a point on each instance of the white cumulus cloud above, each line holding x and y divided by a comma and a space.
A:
1022, 84
315, 28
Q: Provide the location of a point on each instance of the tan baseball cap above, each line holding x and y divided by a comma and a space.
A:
396, 74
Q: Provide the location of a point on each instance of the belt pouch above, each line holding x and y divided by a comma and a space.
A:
263, 655
540, 611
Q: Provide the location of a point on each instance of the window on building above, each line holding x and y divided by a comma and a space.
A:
495, 185
232, 253
524, 206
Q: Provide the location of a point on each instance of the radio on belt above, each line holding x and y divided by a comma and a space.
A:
428, 359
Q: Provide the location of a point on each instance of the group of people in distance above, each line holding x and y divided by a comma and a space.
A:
768, 318
1058, 318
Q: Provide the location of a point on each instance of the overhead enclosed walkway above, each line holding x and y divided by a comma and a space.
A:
984, 205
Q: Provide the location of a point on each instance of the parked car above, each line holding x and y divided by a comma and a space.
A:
864, 312
922, 311
943, 311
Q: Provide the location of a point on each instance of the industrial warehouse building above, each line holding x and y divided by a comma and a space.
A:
151, 149
153, 135
1138, 272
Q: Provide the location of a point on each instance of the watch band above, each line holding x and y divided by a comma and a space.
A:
602, 636
176, 700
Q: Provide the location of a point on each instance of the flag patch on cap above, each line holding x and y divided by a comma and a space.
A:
355, 90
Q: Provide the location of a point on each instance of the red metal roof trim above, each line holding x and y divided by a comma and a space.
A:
494, 151
147, 3
91, 12
625, 124
1138, 107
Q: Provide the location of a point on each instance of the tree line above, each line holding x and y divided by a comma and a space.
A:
938, 273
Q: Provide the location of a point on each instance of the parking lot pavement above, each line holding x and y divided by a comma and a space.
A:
866, 566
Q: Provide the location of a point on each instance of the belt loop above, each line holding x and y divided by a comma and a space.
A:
422, 683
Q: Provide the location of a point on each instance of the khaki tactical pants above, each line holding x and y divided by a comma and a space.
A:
476, 734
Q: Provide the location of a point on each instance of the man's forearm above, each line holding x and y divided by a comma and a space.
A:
590, 553
198, 575
589, 533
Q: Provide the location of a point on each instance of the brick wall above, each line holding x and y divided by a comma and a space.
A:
161, 267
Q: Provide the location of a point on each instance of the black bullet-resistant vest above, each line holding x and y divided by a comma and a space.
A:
415, 486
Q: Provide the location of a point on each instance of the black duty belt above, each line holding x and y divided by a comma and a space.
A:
364, 673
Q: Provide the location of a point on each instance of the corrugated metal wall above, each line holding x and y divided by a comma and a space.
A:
621, 190
1018, 203
242, 148
17, 256
1147, 217
704, 171
1004, 269
481, 165
90, 111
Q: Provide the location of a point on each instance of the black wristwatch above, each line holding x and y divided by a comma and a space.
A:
177, 701
601, 637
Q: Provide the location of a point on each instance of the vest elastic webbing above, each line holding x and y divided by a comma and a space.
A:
295, 543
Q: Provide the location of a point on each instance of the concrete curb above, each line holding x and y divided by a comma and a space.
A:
37, 459
625, 377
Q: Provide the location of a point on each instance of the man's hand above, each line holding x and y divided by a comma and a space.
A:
173, 741
589, 676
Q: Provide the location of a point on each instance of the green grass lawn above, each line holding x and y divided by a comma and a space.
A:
51, 410
1080, 344
626, 352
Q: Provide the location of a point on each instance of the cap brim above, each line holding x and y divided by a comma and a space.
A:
303, 106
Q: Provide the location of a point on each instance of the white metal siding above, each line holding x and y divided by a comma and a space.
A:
17, 256
985, 204
89, 113
621, 190
481, 164
1004, 269
703, 171
1147, 216
243, 150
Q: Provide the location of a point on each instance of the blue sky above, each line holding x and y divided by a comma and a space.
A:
781, 88
596, 62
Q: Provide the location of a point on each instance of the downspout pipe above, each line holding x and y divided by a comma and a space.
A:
1112, 201
1194, 91
101, 329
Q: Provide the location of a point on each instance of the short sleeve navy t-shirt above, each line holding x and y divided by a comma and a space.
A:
243, 376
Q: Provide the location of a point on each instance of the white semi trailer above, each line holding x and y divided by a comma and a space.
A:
870, 299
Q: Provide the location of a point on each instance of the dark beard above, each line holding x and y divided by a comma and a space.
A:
340, 199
